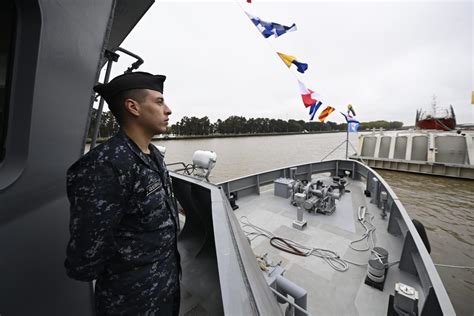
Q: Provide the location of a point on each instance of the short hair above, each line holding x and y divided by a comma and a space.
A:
117, 105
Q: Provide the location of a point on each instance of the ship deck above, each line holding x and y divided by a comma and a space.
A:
330, 292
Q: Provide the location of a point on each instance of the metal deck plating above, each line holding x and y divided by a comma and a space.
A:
213, 242
330, 292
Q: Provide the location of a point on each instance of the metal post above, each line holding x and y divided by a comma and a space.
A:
111, 57
347, 140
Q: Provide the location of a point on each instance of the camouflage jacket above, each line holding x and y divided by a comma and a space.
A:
123, 227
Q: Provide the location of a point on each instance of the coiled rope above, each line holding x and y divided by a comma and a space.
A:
290, 246
365, 219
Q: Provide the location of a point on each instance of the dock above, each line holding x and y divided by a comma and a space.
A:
449, 154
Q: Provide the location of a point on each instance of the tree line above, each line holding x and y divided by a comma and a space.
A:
108, 125
189, 126
241, 125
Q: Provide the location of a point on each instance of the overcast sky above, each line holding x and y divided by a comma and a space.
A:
385, 58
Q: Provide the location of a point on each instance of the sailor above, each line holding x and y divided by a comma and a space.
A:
123, 216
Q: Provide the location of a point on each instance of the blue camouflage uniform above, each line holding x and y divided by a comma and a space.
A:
123, 226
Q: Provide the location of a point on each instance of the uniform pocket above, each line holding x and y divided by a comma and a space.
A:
152, 210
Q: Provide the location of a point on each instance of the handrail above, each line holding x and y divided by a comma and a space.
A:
111, 57
136, 64
185, 167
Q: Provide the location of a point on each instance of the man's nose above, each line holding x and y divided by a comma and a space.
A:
168, 110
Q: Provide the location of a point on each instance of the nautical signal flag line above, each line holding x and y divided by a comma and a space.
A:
310, 98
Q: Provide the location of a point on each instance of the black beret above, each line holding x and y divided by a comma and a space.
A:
128, 81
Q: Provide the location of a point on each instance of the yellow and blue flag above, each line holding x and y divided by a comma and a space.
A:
291, 60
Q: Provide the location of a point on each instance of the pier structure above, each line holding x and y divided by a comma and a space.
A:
448, 154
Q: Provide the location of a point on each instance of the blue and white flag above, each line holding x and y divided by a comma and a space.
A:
353, 127
352, 123
350, 119
270, 28
313, 109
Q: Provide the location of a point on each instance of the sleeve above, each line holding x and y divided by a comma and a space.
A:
96, 198
169, 183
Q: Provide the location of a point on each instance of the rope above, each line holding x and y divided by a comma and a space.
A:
290, 246
453, 266
369, 232
283, 245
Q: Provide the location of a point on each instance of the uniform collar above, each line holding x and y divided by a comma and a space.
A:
137, 151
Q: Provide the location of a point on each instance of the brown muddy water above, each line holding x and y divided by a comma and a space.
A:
446, 207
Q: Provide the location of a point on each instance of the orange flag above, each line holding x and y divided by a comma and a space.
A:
325, 113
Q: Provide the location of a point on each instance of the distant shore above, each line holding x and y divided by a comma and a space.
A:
180, 137
166, 137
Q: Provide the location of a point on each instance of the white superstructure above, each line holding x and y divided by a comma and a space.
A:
431, 152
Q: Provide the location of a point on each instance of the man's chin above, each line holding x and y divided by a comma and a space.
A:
160, 130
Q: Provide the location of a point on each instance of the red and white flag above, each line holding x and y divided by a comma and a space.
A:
309, 96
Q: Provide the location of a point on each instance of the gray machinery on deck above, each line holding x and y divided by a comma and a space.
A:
315, 196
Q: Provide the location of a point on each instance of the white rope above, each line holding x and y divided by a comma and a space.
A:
329, 256
453, 266
368, 235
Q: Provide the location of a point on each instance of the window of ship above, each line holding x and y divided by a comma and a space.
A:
7, 27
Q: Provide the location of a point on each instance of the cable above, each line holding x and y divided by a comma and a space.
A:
453, 266
290, 246
283, 245
365, 217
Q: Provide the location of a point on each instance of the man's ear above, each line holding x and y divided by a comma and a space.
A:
132, 107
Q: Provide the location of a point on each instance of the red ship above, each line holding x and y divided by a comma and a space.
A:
437, 118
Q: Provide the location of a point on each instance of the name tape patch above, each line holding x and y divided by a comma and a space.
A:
153, 187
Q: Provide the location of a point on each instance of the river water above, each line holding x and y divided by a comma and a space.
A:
444, 205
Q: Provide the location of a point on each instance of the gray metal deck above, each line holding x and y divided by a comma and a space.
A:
342, 293
330, 292
220, 269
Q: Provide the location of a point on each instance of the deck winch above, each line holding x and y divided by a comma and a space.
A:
317, 197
